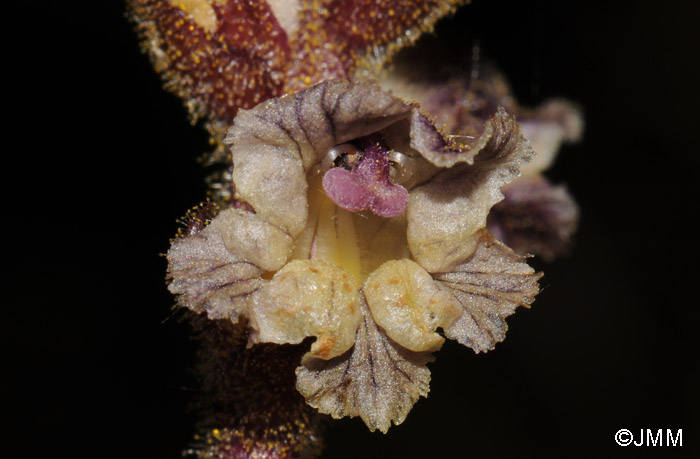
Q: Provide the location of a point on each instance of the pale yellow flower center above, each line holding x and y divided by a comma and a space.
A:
356, 242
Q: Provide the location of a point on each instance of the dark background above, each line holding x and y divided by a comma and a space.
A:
104, 161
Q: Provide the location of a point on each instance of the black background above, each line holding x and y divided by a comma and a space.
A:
103, 161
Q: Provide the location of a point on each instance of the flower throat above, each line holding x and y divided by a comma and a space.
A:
356, 213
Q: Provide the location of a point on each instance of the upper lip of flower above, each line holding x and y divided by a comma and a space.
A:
300, 266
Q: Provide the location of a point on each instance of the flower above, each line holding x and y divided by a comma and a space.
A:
355, 221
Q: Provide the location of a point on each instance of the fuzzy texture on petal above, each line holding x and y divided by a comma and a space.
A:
446, 214
426, 139
308, 298
489, 286
459, 101
463, 104
253, 239
275, 144
209, 277
377, 380
306, 124
530, 219
409, 306
274, 184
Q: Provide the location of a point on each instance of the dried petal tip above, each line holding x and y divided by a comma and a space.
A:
367, 183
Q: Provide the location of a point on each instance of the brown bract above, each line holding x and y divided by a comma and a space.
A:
222, 55
247, 399
217, 55
373, 291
